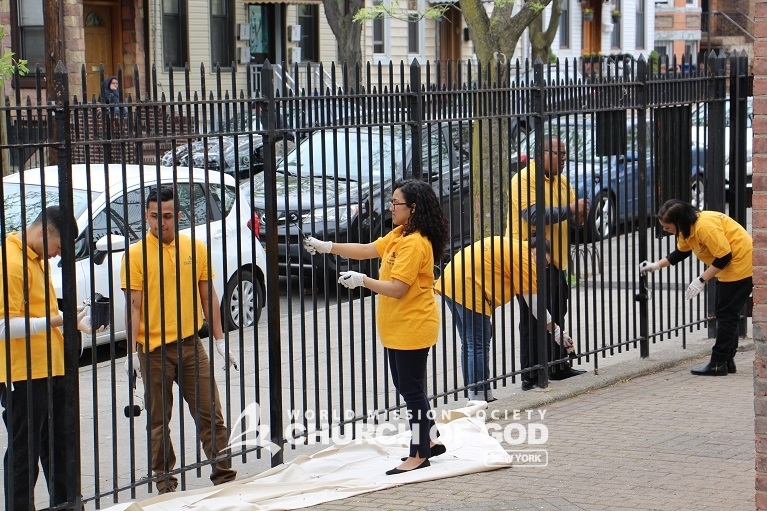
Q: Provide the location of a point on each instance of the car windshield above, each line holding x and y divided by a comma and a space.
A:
237, 123
348, 156
580, 140
33, 204
700, 114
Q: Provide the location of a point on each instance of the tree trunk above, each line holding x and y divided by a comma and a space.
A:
540, 41
495, 39
339, 14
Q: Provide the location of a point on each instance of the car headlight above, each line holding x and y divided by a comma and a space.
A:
329, 214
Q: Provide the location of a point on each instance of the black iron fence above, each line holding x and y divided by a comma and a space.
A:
274, 167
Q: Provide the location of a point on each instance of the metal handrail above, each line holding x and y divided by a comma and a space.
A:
733, 23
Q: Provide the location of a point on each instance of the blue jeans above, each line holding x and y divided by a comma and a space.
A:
476, 332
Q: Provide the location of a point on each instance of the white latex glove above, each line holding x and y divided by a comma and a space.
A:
221, 348
351, 279
84, 322
136, 366
646, 267
563, 339
694, 289
315, 246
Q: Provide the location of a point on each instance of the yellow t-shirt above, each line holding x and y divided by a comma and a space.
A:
411, 322
715, 235
489, 274
37, 281
557, 193
193, 268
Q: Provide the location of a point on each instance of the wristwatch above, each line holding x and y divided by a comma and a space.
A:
702, 279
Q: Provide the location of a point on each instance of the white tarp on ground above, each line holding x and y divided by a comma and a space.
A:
342, 471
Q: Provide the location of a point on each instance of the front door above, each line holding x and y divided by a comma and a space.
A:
98, 46
450, 41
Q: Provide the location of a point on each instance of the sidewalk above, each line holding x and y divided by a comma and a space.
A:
640, 435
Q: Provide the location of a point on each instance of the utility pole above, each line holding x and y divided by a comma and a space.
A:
54, 51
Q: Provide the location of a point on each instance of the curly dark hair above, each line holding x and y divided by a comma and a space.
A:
682, 214
427, 218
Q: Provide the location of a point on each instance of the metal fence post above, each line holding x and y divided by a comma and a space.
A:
71, 418
272, 262
740, 91
715, 158
415, 112
538, 104
642, 296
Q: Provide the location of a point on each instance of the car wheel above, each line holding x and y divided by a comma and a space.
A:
698, 192
603, 218
241, 305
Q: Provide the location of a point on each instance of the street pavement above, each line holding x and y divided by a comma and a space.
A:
643, 434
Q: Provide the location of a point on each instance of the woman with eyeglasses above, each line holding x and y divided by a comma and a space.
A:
408, 316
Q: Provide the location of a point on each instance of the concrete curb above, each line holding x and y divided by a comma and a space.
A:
608, 376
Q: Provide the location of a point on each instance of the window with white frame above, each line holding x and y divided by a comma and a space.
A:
381, 36
691, 53
564, 25
221, 32
640, 24
415, 28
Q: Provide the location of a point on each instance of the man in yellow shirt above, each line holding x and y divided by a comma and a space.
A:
726, 247
33, 324
164, 342
479, 279
559, 207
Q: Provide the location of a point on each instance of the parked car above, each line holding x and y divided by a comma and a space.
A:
239, 276
610, 183
700, 134
231, 147
336, 185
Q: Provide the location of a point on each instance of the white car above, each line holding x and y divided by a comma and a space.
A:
700, 129
240, 268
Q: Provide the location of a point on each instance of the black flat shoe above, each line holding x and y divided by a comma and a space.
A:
711, 369
528, 385
436, 450
567, 373
425, 463
731, 369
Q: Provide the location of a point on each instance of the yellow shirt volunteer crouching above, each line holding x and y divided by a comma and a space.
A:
489, 273
715, 235
411, 322
557, 194
37, 281
193, 267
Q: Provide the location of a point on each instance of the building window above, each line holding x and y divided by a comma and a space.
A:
381, 36
29, 40
174, 33
564, 25
415, 28
615, 37
640, 24
691, 53
221, 32
309, 21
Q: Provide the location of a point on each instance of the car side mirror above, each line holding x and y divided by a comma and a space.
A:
112, 243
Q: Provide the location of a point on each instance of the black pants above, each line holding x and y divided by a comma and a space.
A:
556, 303
408, 371
28, 434
730, 299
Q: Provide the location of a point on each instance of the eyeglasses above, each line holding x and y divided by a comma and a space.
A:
395, 204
